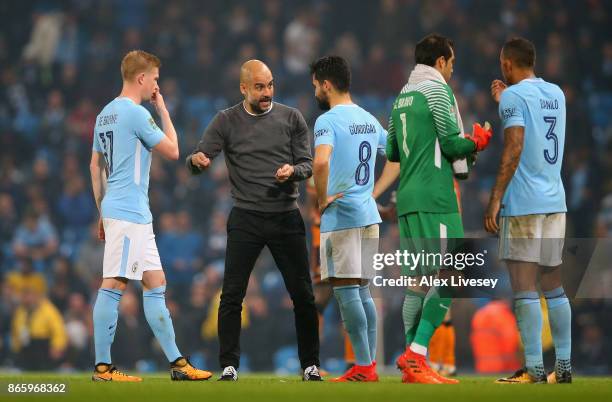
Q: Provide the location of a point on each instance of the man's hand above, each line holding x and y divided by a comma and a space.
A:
200, 160
490, 219
497, 87
326, 203
284, 173
101, 235
480, 135
157, 100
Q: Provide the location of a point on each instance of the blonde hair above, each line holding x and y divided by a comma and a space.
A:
136, 62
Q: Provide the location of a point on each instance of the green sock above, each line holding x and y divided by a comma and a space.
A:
434, 311
411, 313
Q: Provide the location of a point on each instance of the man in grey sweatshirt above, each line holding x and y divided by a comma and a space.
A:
267, 152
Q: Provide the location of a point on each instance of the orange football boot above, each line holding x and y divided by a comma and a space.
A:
359, 374
416, 370
182, 370
108, 372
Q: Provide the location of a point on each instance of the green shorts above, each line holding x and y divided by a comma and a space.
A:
427, 233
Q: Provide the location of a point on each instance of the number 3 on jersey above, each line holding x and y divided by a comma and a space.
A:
550, 135
108, 149
363, 169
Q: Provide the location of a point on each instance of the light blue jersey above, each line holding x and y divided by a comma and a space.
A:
125, 133
536, 187
356, 136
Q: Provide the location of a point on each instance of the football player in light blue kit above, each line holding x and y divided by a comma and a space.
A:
347, 139
529, 196
124, 136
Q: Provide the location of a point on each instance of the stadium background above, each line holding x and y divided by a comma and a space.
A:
60, 64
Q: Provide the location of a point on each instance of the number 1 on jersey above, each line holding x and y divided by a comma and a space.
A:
404, 145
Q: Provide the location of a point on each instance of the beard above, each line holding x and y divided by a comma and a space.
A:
323, 103
507, 79
258, 109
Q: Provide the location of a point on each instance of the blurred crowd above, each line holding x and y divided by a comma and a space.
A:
59, 65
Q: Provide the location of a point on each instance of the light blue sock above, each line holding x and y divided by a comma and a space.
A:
529, 318
370, 311
158, 317
560, 317
105, 314
355, 322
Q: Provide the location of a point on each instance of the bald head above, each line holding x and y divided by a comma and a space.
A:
253, 68
257, 86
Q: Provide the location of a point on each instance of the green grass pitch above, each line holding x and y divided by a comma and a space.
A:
268, 388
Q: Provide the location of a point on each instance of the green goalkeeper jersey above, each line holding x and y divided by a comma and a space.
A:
424, 138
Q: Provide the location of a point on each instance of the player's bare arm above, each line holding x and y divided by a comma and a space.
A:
168, 146
97, 168
511, 155
320, 169
388, 176
312, 204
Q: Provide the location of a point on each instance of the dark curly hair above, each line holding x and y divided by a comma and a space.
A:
333, 69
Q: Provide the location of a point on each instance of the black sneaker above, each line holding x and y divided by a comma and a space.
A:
563, 378
229, 374
312, 373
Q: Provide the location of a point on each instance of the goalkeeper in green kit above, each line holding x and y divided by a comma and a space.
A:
425, 136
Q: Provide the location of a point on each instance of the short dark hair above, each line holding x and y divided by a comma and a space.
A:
521, 51
334, 69
431, 48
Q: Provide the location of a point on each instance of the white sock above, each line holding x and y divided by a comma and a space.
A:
420, 349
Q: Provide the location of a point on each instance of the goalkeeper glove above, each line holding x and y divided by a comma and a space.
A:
480, 135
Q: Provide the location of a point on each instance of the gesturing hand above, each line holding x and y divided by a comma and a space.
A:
284, 173
497, 87
200, 160
480, 135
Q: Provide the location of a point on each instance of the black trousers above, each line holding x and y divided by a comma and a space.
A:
283, 232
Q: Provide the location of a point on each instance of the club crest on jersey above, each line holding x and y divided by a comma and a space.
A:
453, 113
152, 122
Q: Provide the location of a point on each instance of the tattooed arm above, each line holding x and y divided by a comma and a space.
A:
511, 155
